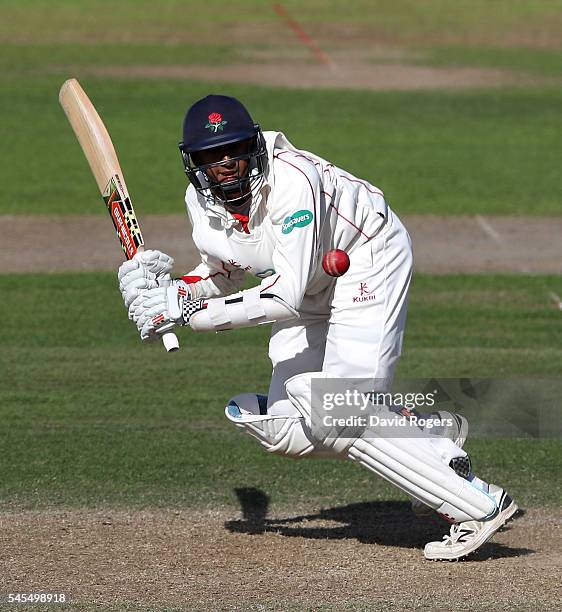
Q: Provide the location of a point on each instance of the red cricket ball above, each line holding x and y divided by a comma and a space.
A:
335, 262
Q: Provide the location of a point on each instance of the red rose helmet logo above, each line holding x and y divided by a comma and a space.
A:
215, 122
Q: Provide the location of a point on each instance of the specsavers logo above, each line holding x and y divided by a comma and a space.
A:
299, 219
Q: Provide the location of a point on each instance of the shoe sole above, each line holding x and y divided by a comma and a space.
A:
495, 525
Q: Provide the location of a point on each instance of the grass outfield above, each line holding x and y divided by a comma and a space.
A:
444, 153
90, 417
486, 152
431, 21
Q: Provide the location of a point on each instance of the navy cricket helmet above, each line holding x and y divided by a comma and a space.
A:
223, 123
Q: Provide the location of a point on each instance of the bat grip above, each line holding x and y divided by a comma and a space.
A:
170, 342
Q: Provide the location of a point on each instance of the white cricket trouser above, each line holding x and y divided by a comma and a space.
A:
362, 336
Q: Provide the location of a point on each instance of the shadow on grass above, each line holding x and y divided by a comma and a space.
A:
390, 523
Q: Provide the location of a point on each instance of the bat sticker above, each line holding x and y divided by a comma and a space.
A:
123, 215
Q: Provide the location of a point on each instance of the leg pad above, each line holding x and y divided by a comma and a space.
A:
281, 435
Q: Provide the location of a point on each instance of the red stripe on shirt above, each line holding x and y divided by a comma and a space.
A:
188, 280
350, 222
273, 283
359, 230
364, 183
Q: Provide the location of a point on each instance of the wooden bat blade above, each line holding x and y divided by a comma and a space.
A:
91, 133
102, 158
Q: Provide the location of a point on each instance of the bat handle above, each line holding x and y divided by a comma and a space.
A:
170, 342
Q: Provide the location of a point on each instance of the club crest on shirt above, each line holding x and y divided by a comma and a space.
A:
299, 219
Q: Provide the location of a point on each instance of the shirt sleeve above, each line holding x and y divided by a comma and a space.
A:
211, 279
297, 212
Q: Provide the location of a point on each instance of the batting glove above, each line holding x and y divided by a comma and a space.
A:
156, 262
157, 308
137, 307
147, 270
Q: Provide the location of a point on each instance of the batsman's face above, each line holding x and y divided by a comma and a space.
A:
226, 168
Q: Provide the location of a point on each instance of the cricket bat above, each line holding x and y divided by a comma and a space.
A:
100, 153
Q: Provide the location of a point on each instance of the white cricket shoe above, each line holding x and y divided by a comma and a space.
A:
457, 431
465, 538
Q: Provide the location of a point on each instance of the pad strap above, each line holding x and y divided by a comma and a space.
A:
217, 312
252, 304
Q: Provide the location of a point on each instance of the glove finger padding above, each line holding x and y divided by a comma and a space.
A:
147, 299
134, 275
151, 334
146, 265
136, 307
154, 318
126, 268
130, 275
156, 262
135, 289
152, 310
155, 296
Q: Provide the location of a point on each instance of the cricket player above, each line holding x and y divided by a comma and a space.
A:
260, 206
